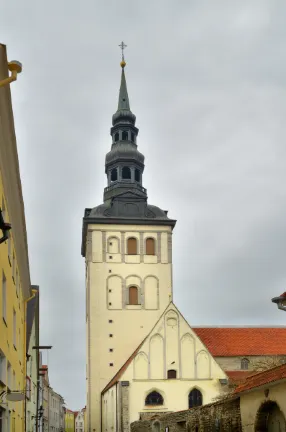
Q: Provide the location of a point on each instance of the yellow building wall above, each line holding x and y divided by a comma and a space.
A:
15, 358
251, 402
69, 422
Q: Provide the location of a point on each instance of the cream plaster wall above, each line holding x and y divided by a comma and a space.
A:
161, 351
109, 410
251, 402
112, 324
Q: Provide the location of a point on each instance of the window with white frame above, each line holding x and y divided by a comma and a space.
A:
4, 297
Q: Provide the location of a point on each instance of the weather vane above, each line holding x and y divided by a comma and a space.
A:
122, 47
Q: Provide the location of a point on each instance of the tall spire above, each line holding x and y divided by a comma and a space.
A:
123, 101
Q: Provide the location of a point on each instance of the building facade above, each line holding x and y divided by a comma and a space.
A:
79, 422
69, 420
32, 383
56, 412
15, 285
127, 245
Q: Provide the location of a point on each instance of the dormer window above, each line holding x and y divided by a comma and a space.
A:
126, 173
124, 136
113, 174
116, 137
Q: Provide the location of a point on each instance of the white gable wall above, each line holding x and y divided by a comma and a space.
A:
172, 344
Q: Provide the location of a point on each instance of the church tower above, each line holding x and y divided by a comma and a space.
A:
127, 246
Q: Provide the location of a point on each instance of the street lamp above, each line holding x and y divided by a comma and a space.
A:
280, 301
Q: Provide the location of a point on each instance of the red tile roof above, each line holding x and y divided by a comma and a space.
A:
261, 378
242, 341
239, 376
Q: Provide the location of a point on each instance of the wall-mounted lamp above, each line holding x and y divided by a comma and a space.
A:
280, 301
4, 226
15, 68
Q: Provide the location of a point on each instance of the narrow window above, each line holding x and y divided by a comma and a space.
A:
116, 137
150, 246
195, 398
172, 374
4, 298
154, 398
133, 295
132, 137
9, 248
244, 364
126, 173
137, 175
9, 375
113, 176
132, 246
124, 136
14, 328
13, 267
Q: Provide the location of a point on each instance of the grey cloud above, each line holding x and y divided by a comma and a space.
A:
207, 83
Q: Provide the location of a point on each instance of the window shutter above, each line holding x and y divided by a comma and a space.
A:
132, 246
150, 246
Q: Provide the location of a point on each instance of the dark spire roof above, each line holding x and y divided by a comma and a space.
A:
123, 101
125, 198
123, 113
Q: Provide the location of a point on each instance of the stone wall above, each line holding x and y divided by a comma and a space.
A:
220, 416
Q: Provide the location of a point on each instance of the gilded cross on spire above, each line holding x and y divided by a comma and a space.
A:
122, 47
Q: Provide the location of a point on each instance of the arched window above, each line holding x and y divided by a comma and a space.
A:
137, 175
150, 246
132, 246
116, 137
172, 374
244, 364
132, 136
126, 173
114, 174
154, 398
195, 398
113, 245
125, 136
133, 295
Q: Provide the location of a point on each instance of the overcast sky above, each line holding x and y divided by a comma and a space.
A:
206, 80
